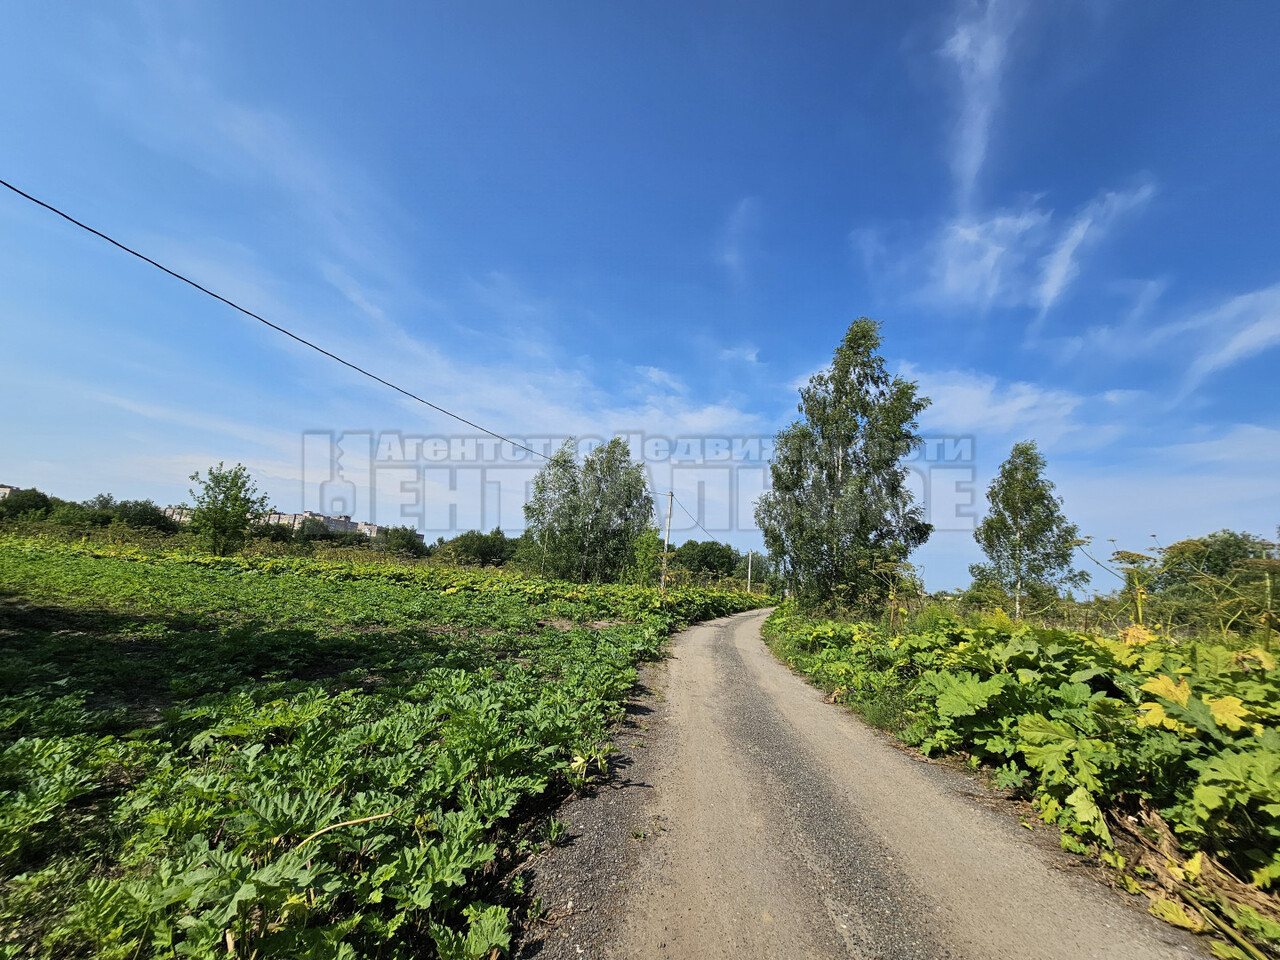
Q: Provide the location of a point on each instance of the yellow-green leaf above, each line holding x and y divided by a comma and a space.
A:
1227, 712
1152, 715
1171, 912
1193, 866
1162, 685
1265, 658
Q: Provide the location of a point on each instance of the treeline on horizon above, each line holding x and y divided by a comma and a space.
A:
702, 563
839, 523
1222, 583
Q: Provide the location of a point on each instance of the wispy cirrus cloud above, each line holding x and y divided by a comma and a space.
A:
1090, 224
982, 261
1235, 330
159, 81
746, 354
1024, 256
978, 47
983, 256
733, 247
1195, 345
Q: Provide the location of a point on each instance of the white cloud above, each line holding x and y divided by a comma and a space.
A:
982, 262
1243, 444
1242, 327
1090, 224
158, 83
1009, 258
1060, 267
1179, 490
970, 403
978, 48
986, 256
1122, 397
661, 378
198, 420
500, 295
1194, 346
733, 248
744, 354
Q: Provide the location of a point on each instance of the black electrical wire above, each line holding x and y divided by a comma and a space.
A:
274, 326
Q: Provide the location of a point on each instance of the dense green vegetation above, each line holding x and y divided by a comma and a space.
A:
279, 756
101, 511
1161, 756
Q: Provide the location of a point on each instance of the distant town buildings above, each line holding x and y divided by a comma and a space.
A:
342, 524
5, 490
294, 521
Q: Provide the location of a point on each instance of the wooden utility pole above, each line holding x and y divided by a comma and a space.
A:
666, 541
748, 571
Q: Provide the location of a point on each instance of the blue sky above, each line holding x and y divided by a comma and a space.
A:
583, 218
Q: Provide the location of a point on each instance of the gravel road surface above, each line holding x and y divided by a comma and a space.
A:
758, 821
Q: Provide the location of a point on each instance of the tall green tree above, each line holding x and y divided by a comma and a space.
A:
227, 504
1027, 540
586, 518
840, 519
708, 556
404, 540
28, 504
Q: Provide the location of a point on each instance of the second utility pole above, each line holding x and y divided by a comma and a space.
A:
666, 542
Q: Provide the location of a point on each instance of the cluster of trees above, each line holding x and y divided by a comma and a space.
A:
1221, 583
312, 531
100, 511
588, 520
477, 549
840, 521
706, 556
228, 513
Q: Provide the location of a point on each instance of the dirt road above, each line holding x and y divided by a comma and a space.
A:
791, 830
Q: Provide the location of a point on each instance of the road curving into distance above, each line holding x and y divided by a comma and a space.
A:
791, 830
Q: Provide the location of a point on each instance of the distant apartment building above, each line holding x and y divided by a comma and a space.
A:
5, 490
294, 521
343, 524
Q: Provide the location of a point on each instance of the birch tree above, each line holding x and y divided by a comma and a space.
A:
586, 519
1027, 540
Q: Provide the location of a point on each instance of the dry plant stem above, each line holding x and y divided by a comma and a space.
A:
352, 823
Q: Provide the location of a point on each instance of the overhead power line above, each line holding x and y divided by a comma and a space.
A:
694, 519
302, 340
263, 320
